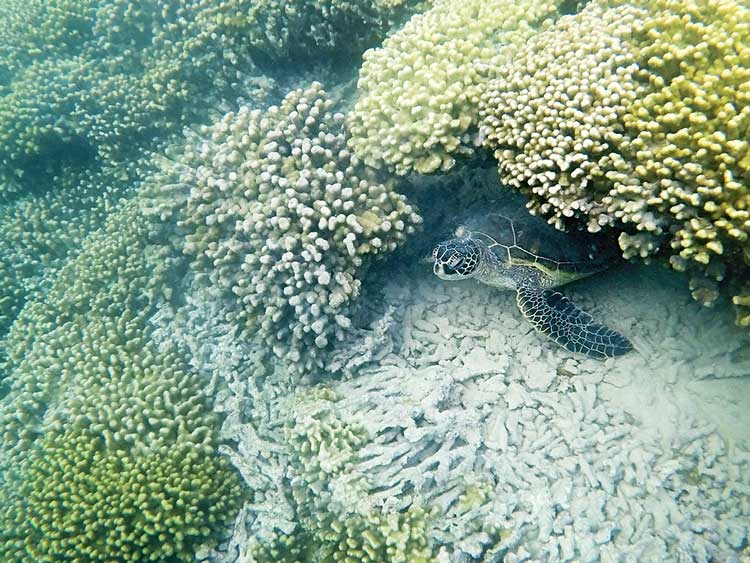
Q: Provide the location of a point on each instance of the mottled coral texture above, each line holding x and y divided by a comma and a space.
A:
279, 213
418, 94
635, 116
108, 449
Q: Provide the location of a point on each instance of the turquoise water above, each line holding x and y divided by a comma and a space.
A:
222, 335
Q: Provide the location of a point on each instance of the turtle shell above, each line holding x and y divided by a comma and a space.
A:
520, 238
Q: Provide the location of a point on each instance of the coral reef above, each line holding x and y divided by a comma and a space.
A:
553, 110
197, 328
632, 116
108, 444
502, 449
318, 28
323, 453
419, 93
39, 231
472, 397
89, 78
78, 499
279, 214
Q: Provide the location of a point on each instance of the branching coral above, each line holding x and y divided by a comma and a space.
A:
554, 112
280, 215
687, 137
323, 453
418, 94
38, 232
109, 445
79, 500
101, 78
633, 116
312, 28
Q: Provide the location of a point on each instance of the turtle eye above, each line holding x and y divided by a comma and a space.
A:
454, 260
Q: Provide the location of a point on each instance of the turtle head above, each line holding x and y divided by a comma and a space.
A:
456, 259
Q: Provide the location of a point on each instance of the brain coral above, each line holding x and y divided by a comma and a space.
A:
419, 93
108, 450
635, 117
280, 215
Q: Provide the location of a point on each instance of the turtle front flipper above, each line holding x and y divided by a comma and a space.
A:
553, 314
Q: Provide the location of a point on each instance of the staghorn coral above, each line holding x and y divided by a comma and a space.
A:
280, 215
109, 444
418, 94
632, 117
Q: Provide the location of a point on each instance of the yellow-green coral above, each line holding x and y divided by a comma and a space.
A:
38, 231
108, 450
554, 112
687, 135
78, 500
419, 93
634, 116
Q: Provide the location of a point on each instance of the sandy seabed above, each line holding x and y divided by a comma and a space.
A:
641, 458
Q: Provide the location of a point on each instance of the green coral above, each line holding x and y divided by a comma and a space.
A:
39, 231
640, 127
101, 78
419, 93
687, 137
312, 28
279, 214
109, 445
285, 549
80, 501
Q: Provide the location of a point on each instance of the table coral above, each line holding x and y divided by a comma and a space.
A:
279, 214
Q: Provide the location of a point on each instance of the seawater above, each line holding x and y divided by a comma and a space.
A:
221, 335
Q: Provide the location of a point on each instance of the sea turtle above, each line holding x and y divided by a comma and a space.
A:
502, 245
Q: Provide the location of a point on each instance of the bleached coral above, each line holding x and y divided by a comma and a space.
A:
419, 93
280, 215
516, 459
